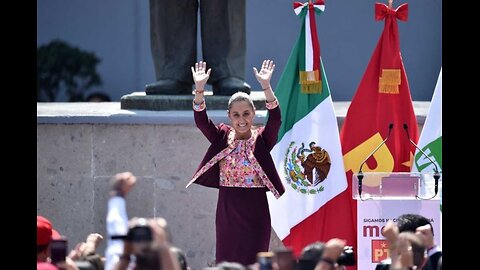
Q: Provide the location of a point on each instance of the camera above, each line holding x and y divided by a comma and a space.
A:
58, 250
141, 232
347, 257
144, 247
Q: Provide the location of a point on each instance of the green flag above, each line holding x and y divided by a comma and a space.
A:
431, 138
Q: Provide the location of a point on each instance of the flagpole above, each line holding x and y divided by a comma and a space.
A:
390, 2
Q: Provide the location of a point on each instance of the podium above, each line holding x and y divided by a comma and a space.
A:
383, 196
396, 186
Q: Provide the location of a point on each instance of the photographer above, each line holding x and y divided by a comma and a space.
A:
406, 249
332, 254
326, 256
47, 257
146, 247
419, 225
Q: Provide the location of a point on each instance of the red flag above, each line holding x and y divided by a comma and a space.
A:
382, 98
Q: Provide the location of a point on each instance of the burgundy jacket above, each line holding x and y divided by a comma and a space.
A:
218, 137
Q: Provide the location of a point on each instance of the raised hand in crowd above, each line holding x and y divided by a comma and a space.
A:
332, 251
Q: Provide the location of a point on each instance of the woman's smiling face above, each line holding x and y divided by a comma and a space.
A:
241, 116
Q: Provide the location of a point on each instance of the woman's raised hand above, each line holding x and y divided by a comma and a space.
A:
200, 74
265, 74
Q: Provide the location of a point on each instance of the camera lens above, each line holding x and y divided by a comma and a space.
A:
347, 257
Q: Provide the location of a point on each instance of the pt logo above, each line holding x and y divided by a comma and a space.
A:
379, 250
306, 167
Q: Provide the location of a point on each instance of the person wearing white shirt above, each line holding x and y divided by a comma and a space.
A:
117, 218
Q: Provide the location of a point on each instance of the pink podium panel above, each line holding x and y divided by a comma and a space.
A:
383, 196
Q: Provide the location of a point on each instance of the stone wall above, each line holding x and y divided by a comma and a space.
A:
75, 163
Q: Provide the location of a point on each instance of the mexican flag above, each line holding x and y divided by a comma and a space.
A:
308, 155
431, 138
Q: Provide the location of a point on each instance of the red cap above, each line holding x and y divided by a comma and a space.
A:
45, 232
46, 266
55, 235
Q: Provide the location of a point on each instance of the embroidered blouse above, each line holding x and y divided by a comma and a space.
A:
240, 168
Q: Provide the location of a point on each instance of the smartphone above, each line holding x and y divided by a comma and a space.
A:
58, 250
265, 260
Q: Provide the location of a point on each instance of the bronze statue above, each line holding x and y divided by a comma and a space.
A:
173, 33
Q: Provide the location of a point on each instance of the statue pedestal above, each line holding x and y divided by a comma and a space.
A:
142, 101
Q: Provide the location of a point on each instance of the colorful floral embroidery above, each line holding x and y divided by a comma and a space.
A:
235, 169
238, 165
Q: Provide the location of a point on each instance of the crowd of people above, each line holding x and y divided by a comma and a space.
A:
147, 245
